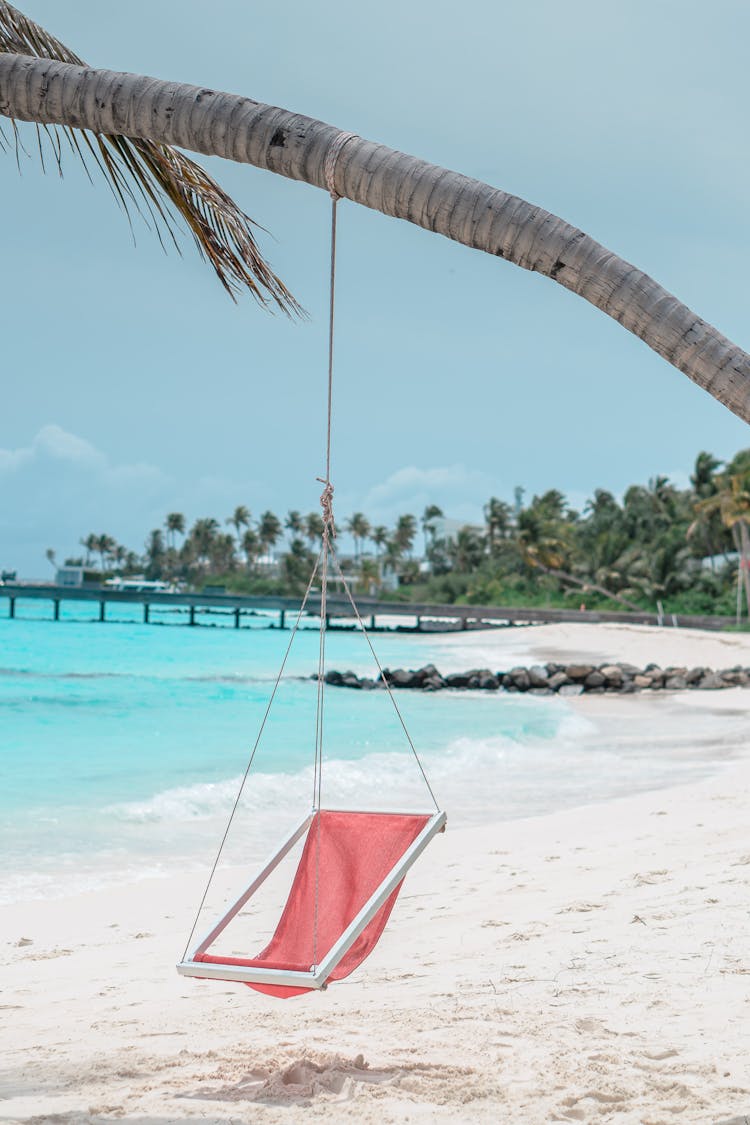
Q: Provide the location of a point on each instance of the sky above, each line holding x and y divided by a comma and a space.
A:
133, 386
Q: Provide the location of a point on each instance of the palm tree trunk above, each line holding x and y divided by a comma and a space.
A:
586, 584
378, 177
745, 560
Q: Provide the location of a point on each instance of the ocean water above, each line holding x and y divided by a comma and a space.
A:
122, 745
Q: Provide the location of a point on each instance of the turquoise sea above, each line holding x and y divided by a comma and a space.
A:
122, 745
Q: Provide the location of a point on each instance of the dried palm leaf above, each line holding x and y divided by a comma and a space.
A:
157, 181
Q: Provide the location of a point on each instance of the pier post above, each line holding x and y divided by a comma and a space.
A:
192, 615
102, 610
282, 619
419, 624
464, 622
146, 612
11, 607
372, 622
56, 609
237, 617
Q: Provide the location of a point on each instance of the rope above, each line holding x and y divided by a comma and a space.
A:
329, 527
332, 156
252, 755
385, 681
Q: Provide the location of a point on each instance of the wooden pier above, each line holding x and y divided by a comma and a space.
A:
403, 616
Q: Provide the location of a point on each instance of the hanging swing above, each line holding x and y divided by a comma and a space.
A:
353, 862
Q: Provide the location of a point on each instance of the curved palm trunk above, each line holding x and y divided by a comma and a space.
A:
585, 584
378, 177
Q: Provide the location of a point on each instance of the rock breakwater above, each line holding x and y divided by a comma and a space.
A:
552, 679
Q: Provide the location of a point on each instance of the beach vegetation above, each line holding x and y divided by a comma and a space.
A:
658, 547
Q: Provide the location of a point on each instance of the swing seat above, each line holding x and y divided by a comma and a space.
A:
346, 884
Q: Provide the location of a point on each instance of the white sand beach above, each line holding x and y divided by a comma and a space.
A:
588, 966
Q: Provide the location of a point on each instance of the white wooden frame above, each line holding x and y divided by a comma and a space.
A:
318, 975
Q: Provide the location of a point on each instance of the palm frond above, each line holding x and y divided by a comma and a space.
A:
157, 182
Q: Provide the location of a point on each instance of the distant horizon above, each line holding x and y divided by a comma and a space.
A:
62, 443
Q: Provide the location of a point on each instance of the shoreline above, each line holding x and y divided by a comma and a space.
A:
588, 965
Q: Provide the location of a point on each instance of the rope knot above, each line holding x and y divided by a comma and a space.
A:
326, 503
332, 155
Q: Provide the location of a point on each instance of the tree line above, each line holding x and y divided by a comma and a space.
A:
686, 549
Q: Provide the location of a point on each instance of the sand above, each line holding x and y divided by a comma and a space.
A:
589, 966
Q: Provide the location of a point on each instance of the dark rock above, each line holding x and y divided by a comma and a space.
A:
628, 687
594, 680
675, 683
398, 678
695, 675
570, 689
711, 682
595, 690
553, 669
557, 680
612, 673
733, 677
629, 669
457, 680
488, 682
333, 677
433, 683
520, 678
538, 676
350, 680
428, 672
578, 671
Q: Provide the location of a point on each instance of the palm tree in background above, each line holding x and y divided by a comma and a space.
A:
105, 545
155, 553
269, 530
431, 513
295, 525
251, 547
404, 532
174, 525
66, 94
379, 536
498, 516
358, 527
91, 545
732, 502
313, 528
201, 540
703, 478
239, 518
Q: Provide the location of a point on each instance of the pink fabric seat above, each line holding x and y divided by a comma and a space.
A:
345, 858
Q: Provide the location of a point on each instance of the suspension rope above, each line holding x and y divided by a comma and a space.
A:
329, 528
384, 680
252, 755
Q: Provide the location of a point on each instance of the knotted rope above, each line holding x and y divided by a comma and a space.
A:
332, 155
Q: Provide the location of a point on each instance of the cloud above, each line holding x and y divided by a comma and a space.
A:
460, 491
60, 487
